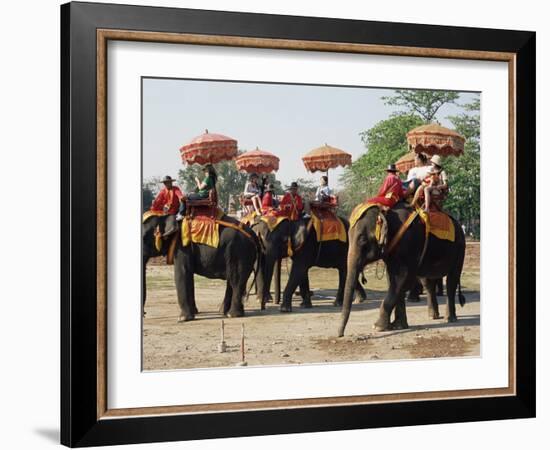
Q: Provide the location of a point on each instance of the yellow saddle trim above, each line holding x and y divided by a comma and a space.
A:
150, 213
249, 219
358, 212
273, 222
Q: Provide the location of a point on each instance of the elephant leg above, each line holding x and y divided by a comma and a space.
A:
360, 294
297, 273
277, 282
398, 280
264, 281
452, 283
305, 292
226, 303
400, 321
342, 273
238, 280
439, 286
414, 292
433, 305
183, 276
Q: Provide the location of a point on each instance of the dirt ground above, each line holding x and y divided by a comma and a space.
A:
305, 335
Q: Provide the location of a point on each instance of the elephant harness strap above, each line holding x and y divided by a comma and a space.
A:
442, 228
403, 229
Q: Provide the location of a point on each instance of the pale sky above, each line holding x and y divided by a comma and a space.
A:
287, 120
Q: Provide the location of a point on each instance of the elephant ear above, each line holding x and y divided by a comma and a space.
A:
381, 231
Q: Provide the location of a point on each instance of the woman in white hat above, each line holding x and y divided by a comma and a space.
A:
434, 183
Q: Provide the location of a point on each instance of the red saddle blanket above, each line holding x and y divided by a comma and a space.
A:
202, 228
439, 224
328, 226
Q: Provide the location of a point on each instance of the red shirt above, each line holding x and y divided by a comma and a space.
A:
167, 200
267, 202
390, 192
291, 206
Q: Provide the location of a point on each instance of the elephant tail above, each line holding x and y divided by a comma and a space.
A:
461, 298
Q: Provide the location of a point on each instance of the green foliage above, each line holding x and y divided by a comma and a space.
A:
307, 188
464, 172
149, 189
386, 142
420, 102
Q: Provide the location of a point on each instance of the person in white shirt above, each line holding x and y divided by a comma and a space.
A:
252, 192
323, 192
416, 174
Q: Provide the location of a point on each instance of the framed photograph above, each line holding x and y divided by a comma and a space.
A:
276, 224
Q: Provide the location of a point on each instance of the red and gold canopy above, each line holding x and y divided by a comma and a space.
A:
326, 157
209, 148
433, 139
406, 162
257, 161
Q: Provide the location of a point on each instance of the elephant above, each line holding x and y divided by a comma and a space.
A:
307, 253
148, 249
404, 264
236, 257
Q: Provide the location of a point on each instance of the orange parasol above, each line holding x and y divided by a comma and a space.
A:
325, 157
257, 161
433, 139
406, 162
209, 148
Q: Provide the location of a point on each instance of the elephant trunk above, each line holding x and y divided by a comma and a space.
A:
349, 289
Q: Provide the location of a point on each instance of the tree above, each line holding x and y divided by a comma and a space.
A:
386, 142
422, 103
149, 189
463, 201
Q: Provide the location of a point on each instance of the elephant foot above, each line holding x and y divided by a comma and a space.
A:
337, 303
399, 325
434, 315
286, 308
451, 319
381, 325
235, 313
359, 300
277, 302
306, 304
262, 306
186, 318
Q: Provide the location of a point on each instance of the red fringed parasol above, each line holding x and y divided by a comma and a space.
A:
257, 161
406, 162
324, 158
209, 148
433, 139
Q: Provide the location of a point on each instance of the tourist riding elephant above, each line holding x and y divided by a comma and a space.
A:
404, 263
307, 253
233, 260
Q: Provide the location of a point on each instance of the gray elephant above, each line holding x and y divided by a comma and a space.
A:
410, 259
307, 252
233, 260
